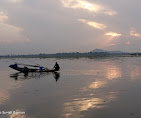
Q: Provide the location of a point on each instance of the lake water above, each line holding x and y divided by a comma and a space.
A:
84, 88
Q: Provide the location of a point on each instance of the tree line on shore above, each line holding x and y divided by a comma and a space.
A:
71, 54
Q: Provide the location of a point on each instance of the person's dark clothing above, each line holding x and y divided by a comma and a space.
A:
56, 66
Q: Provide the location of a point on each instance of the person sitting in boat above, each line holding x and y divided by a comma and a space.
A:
56, 66
25, 69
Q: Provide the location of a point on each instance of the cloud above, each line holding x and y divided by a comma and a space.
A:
14, 34
112, 39
110, 13
65, 25
15, 1
128, 43
133, 33
89, 6
93, 24
114, 34
111, 44
10, 33
81, 4
11, 27
3, 17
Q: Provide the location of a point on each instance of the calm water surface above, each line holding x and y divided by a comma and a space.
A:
84, 88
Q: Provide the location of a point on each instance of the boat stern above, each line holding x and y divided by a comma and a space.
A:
13, 66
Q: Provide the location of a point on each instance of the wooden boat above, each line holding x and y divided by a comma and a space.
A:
26, 69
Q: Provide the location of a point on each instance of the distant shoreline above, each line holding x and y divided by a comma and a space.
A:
73, 55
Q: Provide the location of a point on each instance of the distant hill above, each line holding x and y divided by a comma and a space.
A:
112, 52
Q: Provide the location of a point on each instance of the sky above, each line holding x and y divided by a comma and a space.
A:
57, 26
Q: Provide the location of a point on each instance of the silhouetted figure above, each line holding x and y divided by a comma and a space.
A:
56, 66
26, 69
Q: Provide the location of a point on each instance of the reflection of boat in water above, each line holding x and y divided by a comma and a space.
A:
31, 75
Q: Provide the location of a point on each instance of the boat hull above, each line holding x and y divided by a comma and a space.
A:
26, 70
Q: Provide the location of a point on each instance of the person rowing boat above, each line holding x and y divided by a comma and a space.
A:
56, 67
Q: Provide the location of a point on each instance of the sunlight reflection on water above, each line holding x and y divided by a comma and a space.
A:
83, 88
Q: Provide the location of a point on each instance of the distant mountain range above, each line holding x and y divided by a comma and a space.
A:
112, 52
